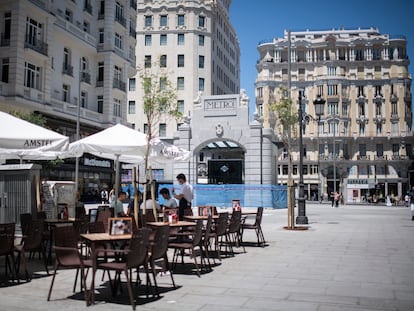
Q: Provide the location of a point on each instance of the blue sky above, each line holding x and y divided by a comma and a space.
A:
266, 19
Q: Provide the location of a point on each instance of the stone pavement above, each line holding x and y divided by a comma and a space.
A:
351, 258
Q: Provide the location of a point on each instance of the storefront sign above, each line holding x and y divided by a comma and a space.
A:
97, 163
360, 183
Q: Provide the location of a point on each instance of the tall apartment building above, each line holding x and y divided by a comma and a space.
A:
196, 42
362, 145
56, 55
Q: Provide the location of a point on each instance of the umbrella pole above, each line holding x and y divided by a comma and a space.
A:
135, 196
117, 175
154, 209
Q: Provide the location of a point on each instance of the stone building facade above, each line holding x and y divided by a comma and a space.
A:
362, 145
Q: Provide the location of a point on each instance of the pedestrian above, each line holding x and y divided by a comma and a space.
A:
406, 199
184, 197
336, 199
332, 199
118, 204
169, 201
104, 196
411, 200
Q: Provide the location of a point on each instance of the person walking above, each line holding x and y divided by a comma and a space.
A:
411, 199
184, 197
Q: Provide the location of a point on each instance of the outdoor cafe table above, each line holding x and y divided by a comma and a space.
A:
179, 224
200, 217
92, 239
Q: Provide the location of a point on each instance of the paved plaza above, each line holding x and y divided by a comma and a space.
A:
356, 257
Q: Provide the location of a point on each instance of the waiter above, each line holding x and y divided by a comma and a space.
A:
184, 197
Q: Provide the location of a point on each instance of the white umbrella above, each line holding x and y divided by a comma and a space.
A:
20, 139
163, 152
119, 143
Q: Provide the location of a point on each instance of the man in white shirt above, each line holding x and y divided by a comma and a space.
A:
184, 197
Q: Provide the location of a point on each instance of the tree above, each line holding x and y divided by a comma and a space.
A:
160, 98
286, 125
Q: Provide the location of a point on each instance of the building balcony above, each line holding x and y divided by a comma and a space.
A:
379, 119
85, 77
394, 117
4, 41
393, 98
132, 33
121, 20
120, 85
36, 45
67, 70
363, 157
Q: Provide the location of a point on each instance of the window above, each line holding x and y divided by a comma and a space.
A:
259, 92
66, 93
378, 91
86, 27
362, 129
359, 54
394, 109
117, 73
118, 41
117, 107
132, 84
148, 21
180, 20
69, 15
7, 27
201, 40
163, 130
148, 61
200, 61
201, 84
84, 99
163, 39
201, 21
33, 32
148, 40
131, 107
163, 21
380, 150
180, 106
361, 109
362, 150
163, 83
332, 89
379, 128
32, 76
5, 70
119, 12
361, 91
145, 129
101, 35
395, 149
180, 60
100, 103
101, 13
163, 61
344, 109
180, 83
332, 108
100, 71
66, 59
320, 90
331, 71
378, 109
180, 39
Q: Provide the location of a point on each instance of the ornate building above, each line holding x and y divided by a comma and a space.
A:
362, 144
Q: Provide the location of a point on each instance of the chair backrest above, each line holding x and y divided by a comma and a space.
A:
25, 219
207, 230
96, 227
259, 216
41, 215
144, 218
7, 238
198, 233
33, 238
66, 236
138, 247
235, 221
221, 224
103, 216
160, 246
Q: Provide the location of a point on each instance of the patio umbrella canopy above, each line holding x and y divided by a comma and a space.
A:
23, 140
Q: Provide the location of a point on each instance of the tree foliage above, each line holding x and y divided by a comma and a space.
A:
159, 98
35, 118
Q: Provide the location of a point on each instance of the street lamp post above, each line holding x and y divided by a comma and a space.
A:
77, 138
302, 219
319, 103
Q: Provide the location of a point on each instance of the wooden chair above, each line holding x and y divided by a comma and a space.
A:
136, 256
234, 231
158, 252
256, 226
191, 245
7, 247
31, 242
219, 232
68, 256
